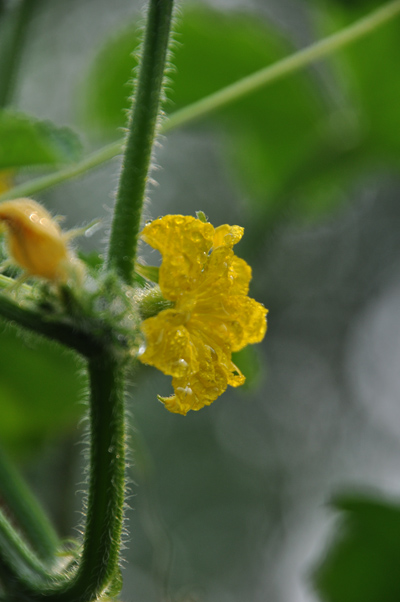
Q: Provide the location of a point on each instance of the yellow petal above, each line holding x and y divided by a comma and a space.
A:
184, 243
227, 236
223, 274
168, 344
35, 240
247, 322
197, 391
240, 276
212, 314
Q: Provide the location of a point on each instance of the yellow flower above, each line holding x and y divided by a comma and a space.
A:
35, 240
212, 314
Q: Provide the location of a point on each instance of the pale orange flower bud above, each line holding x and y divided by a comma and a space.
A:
36, 242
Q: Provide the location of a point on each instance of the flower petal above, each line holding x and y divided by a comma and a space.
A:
227, 236
240, 276
35, 240
184, 243
199, 390
247, 322
168, 344
212, 314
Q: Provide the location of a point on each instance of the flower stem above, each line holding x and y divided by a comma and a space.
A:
223, 97
144, 117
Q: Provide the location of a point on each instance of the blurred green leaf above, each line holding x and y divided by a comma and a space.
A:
248, 362
362, 563
41, 386
291, 150
93, 260
109, 83
366, 74
26, 141
268, 134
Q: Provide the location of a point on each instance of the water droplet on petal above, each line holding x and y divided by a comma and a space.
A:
196, 237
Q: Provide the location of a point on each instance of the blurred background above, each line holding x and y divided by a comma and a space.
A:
241, 500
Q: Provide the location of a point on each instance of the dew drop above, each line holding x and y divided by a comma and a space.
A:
196, 237
185, 391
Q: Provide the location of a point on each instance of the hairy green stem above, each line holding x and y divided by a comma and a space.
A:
142, 129
99, 560
64, 333
25, 509
218, 100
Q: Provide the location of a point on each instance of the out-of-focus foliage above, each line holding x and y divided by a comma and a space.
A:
369, 84
249, 363
40, 389
285, 153
362, 564
267, 135
26, 141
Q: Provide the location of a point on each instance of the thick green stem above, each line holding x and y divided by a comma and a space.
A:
98, 562
64, 333
140, 139
26, 510
100, 555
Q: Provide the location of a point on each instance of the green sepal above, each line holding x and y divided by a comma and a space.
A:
152, 302
150, 272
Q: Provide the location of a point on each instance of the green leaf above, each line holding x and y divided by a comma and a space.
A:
369, 78
362, 563
268, 132
249, 363
288, 149
41, 386
108, 86
26, 141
